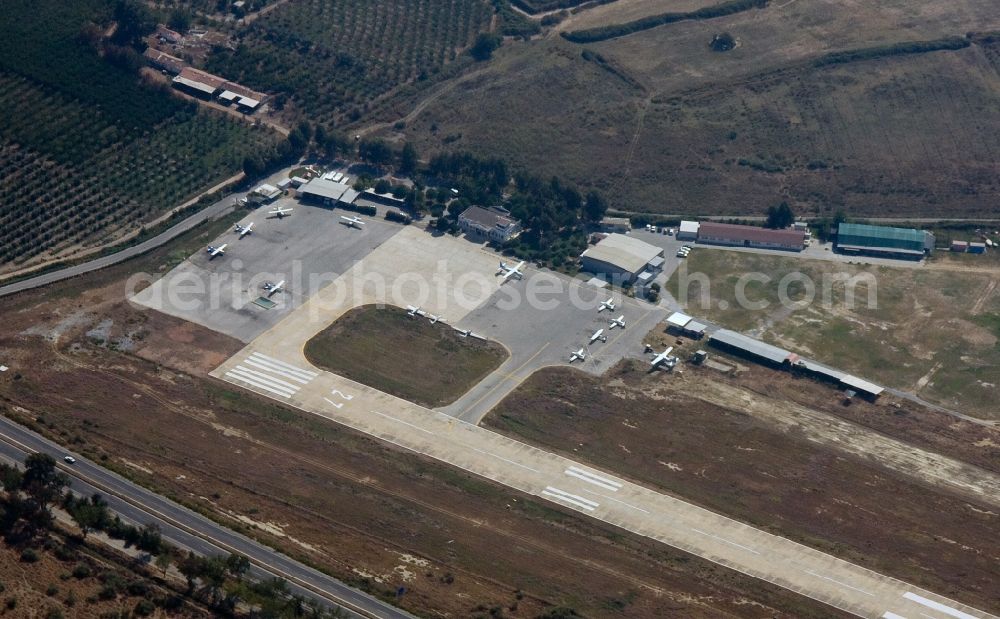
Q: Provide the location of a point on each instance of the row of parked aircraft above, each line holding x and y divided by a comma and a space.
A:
279, 213
242, 231
609, 304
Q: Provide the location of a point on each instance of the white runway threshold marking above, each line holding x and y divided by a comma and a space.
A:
271, 375
593, 478
941, 608
571, 499
725, 541
888, 615
308, 374
842, 584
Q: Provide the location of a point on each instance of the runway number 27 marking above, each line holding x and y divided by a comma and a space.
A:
340, 394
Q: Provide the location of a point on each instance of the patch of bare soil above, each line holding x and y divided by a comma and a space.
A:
788, 478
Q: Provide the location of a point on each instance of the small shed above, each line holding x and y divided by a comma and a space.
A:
960, 246
977, 248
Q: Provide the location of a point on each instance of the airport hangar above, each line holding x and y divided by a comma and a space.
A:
884, 241
623, 258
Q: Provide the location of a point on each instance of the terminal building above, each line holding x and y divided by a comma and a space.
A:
884, 241
623, 258
715, 233
494, 224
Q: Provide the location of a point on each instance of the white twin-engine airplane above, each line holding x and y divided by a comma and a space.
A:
352, 222
607, 305
598, 335
617, 322
510, 271
580, 354
244, 230
413, 312
280, 212
216, 251
273, 289
664, 358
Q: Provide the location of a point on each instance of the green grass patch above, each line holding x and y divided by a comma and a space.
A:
406, 357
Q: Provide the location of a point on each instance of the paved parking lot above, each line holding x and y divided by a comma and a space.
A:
308, 249
541, 320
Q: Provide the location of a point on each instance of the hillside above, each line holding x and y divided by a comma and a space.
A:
87, 151
825, 106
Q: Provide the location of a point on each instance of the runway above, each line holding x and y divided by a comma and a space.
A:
273, 366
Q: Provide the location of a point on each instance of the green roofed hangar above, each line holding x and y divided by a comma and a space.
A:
884, 241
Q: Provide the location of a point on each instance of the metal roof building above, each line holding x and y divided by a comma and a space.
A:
678, 319
724, 338
903, 242
716, 233
324, 191
620, 256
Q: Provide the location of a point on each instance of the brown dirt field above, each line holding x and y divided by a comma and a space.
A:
648, 427
365, 512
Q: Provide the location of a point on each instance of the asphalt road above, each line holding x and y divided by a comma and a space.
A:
186, 529
206, 214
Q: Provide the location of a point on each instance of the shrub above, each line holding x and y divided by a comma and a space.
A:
28, 555
144, 608
603, 33
81, 571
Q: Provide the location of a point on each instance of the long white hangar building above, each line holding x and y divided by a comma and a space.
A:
623, 258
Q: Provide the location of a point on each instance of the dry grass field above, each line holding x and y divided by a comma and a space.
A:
660, 431
933, 330
667, 125
429, 364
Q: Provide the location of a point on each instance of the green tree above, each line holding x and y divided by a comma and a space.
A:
376, 152
595, 207
179, 20
89, 514
163, 561
133, 21
43, 483
408, 159
779, 217
486, 43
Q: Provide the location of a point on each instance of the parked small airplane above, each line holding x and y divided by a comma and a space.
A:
273, 289
432, 318
598, 335
352, 222
244, 230
607, 305
280, 212
510, 271
617, 322
216, 251
413, 312
580, 354
664, 358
